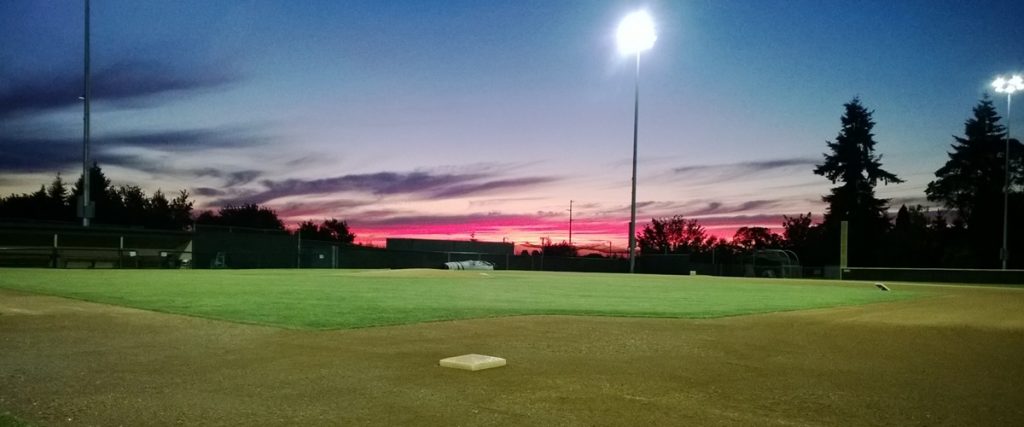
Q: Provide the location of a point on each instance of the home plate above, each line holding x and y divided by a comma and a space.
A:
472, 362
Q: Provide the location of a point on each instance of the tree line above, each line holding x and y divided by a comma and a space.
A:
130, 206
965, 231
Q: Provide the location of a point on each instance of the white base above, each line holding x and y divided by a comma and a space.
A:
472, 362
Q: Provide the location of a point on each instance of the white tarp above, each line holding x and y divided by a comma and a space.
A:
469, 265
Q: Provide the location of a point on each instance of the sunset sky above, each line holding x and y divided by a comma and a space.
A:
446, 119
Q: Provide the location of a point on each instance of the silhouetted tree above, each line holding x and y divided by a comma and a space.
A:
339, 231
181, 211
806, 239
311, 231
673, 235
129, 206
330, 230
798, 230
50, 203
100, 193
563, 249
749, 238
59, 201
126, 205
24, 206
657, 237
911, 242
853, 162
248, 215
971, 182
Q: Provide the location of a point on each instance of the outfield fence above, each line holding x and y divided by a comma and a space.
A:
941, 275
72, 246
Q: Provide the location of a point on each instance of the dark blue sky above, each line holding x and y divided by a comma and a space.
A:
453, 117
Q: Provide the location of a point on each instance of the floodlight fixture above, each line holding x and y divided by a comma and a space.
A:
636, 33
1008, 86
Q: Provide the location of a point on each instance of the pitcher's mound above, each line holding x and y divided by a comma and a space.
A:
472, 362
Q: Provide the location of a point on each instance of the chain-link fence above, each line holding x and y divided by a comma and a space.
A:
70, 246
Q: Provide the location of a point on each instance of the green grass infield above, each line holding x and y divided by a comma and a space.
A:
338, 299
8, 420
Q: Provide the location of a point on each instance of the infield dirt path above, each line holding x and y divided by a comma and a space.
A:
953, 359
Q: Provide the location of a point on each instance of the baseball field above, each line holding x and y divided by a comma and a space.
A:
360, 347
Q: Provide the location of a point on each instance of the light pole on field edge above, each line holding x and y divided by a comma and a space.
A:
635, 35
1007, 86
85, 204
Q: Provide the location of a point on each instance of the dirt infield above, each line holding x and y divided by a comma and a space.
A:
953, 359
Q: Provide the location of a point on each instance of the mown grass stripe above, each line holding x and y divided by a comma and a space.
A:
337, 299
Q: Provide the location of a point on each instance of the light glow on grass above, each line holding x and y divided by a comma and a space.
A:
339, 299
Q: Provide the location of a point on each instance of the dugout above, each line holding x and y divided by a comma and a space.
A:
99, 246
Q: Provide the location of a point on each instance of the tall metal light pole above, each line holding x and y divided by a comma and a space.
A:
1007, 86
86, 214
635, 35
570, 222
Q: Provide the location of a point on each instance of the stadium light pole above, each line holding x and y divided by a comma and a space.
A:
636, 34
85, 126
1007, 86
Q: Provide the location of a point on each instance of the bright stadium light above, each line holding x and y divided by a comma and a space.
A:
1007, 86
635, 35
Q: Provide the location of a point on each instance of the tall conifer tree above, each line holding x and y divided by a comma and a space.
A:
972, 180
853, 163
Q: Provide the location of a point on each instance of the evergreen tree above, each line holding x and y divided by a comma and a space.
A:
972, 180
159, 213
58, 204
181, 211
126, 205
46, 204
131, 206
101, 193
853, 162
58, 191
912, 242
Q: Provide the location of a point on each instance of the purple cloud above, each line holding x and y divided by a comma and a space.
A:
125, 81
421, 184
